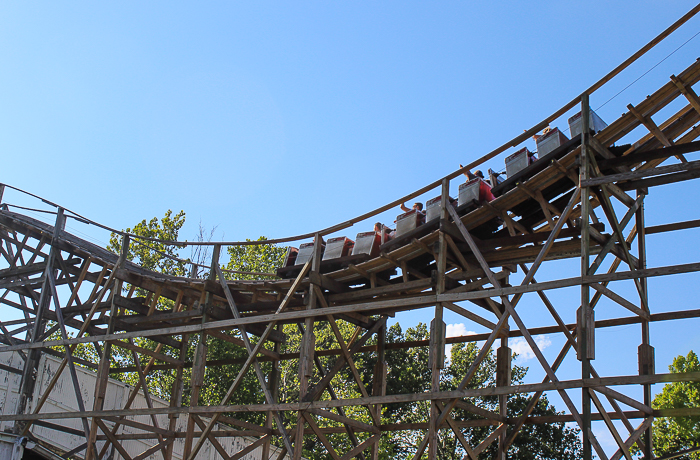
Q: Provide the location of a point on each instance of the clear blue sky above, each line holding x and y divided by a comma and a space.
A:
271, 118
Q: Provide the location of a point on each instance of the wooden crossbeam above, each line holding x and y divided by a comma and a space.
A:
688, 92
654, 129
649, 155
639, 174
634, 436
252, 353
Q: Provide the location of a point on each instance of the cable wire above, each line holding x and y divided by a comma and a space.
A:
642, 75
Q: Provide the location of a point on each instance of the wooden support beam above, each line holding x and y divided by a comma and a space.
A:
620, 300
359, 449
469, 315
321, 436
649, 155
688, 92
650, 125
638, 174
634, 436
327, 283
250, 448
662, 180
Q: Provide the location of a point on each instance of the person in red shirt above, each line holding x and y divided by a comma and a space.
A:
417, 206
485, 194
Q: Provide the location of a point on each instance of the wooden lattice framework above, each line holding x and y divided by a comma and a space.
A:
547, 214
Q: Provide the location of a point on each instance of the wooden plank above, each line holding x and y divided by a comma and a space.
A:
469, 315
663, 180
140, 426
392, 288
656, 154
217, 445
250, 448
650, 125
620, 300
227, 338
317, 390
117, 445
634, 436
321, 436
406, 398
357, 450
490, 438
366, 274
672, 227
23, 270
457, 252
688, 92
609, 424
150, 451
146, 351
251, 359
625, 399
327, 283
411, 302
147, 397
479, 411
638, 174
345, 420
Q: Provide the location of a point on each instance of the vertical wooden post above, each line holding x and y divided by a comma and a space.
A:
437, 329
105, 358
646, 351
503, 375
176, 392
273, 382
442, 254
200, 357
585, 310
306, 353
31, 364
379, 388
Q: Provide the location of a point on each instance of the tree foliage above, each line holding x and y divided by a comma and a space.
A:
672, 435
261, 258
407, 368
150, 254
158, 257
408, 372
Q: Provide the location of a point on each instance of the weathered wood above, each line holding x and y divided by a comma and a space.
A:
443, 395
533, 206
655, 154
620, 300
249, 448
321, 436
357, 450
672, 227
688, 92
112, 439
658, 171
410, 302
662, 180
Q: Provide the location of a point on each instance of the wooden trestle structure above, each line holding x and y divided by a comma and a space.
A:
560, 207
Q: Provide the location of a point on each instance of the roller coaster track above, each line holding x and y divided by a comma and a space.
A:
583, 200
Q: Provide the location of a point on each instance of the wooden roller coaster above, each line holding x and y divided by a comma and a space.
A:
584, 199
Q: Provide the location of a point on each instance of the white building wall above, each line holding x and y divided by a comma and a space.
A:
63, 399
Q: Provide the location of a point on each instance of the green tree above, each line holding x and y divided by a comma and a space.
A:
672, 435
159, 257
259, 258
408, 372
407, 369
154, 255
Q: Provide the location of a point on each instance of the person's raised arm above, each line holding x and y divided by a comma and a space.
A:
404, 208
468, 173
